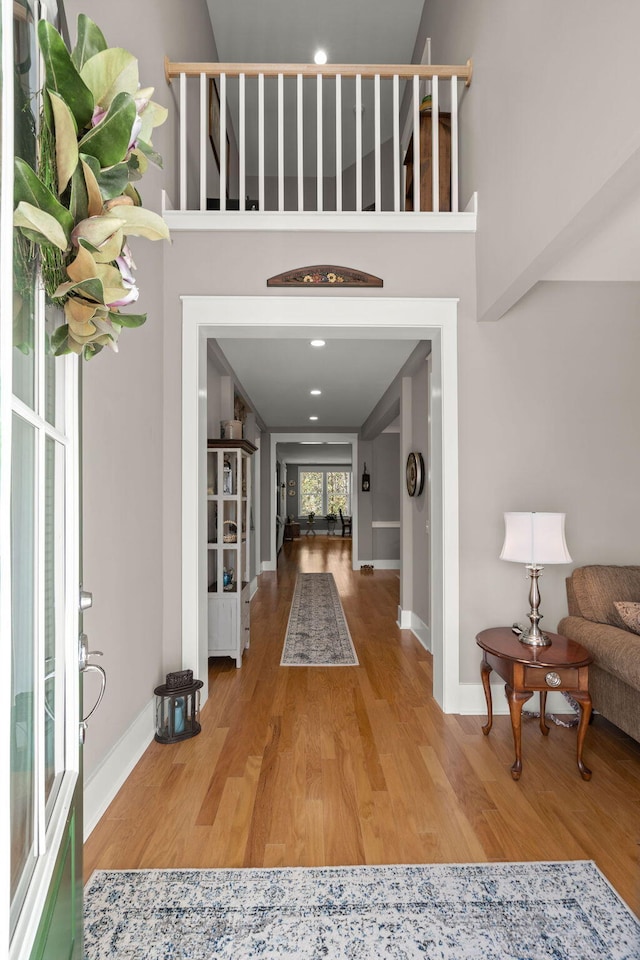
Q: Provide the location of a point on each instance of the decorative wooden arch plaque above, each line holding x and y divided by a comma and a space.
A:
324, 275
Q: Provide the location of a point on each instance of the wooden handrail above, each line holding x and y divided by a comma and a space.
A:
425, 71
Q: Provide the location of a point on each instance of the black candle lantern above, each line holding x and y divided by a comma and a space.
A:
366, 480
178, 707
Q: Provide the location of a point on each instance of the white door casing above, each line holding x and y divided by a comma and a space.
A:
363, 318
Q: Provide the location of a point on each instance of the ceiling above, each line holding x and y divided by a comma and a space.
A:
278, 375
289, 31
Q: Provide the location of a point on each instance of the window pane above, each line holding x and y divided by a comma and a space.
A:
24, 284
22, 785
53, 370
54, 567
311, 493
338, 492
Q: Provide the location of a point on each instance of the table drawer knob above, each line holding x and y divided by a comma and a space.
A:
553, 679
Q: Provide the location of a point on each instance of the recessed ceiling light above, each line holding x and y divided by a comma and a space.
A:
313, 418
315, 393
317, 343
320, 57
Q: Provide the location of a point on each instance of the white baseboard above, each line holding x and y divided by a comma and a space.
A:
471, 701
386, 564
106, 780
420, 630
408, 620
404, 619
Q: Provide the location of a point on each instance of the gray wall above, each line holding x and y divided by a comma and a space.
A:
548, 398
549, 402
550, 116
128, 524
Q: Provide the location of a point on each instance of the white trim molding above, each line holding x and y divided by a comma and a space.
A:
337, 317
385, 524
408, 620
103, 784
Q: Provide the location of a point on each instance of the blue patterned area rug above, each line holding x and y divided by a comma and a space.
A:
317, 632
489, 911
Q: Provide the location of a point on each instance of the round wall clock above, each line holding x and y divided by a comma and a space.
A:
415, 474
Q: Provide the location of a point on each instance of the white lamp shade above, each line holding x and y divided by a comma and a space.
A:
535, 538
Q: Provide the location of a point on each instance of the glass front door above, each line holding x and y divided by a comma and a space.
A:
39, 581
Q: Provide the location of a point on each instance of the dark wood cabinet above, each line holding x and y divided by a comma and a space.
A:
426, 165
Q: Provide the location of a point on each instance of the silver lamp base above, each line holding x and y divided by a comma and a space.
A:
534, 635
534, 638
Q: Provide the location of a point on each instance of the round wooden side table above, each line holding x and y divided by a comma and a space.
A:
564, 665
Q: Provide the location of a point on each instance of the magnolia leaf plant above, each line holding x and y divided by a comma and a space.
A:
80, 204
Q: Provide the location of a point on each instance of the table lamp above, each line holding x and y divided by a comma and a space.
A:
535, 539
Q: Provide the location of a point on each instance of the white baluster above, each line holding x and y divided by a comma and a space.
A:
300, 132
242, 138
454, 145
376, 114
416, 144
223, 141
359, 143
396, 143
280, 142
319, 169
435, 151
203, 141
339, 143
261, 141
183, 141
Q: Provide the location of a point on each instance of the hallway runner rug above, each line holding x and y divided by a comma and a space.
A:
317, 632
488, 911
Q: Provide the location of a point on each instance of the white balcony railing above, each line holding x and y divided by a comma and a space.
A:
305, 138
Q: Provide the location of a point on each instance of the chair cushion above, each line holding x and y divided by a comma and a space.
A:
596, 589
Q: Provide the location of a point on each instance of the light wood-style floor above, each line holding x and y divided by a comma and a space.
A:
309, 766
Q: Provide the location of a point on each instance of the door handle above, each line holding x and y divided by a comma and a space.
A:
86, 667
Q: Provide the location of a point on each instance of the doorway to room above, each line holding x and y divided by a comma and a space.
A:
337, 317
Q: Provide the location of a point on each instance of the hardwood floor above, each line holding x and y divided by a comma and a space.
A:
347, 765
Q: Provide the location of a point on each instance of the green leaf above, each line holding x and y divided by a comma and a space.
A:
79, 201
90, 289
128, 319
91, 349
39, 226
27, 187
113, 180
139, 222
59, 338
61, 75
109, 73
66, 140
109, 141
149, 152
90, 41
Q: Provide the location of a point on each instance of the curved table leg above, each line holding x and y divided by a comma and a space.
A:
516, 699
584, 699
543, 709
485, 671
